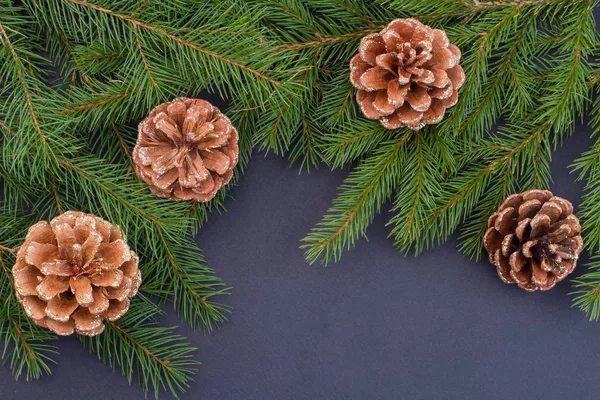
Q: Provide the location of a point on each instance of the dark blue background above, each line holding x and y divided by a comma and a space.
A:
377, 325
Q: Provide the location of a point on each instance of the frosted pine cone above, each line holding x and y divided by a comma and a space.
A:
406, 75
75, 272
186, 150
534, 240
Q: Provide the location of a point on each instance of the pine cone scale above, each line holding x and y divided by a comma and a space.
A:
381, 104
60, 328
59, 309
100, 302
418, 99
534, 240
110, 277
52, 285
177, 112
117, 310
34, 307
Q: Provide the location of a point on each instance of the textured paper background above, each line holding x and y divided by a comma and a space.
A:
376, 325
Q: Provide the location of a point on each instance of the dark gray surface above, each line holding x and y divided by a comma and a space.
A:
376, 325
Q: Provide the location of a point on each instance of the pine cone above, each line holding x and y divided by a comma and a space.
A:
534, 240
406, 75
74, 272
186, 150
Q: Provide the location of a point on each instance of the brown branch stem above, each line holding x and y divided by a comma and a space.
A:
23, 83
139, 45
165, 363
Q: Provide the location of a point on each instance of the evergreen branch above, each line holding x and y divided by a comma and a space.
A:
20, 73
81, 172
346, 145
475, 225
362, 194
329, 40
505, 67
121, 142
354, 11
419, 187
97, 103
25, 344
191, 285
297, 15
8, 249
517, 3
6, 128
139, 45
175, 38
467, 192
587, 291
55, 193
160, 359
567, 101
479, 103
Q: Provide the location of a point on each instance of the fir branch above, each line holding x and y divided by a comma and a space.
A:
139, 45
97, 181
24, 85
349, 143
121, 142
491, 100
517, 3
161, 359
175, 38
190, 284
419, 187
329, 40
361, 196
587, 291
480, 103
467, 191
101, 101
25, 345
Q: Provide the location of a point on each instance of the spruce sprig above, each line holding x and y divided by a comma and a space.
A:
528, 67
158, 358
66, 141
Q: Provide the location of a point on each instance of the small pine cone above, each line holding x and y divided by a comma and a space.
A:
75, 272
534, 240
406, 75
186, 150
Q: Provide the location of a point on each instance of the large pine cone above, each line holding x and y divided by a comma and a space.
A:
186, 150
534, 240
75, 272
406, 75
